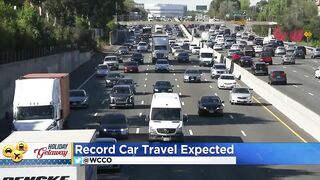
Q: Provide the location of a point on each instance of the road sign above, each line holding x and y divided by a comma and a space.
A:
307, 34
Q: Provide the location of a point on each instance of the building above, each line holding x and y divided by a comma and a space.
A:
167, 10
139, 5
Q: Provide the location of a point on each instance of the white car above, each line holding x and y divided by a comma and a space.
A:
196, 50
217, 70
226, 81
258, 49
218, 46
235, 47
112, 62
175, 48
142, 46
280, 51
317, 73
162, 65
240, 95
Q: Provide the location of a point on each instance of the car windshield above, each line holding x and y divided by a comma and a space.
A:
278, 72
241, 90
121, 90
191, 71
196, 47
35, 112
137, 55
162, 62
113, 119
220, 67
102, 67
167, 114
110, 59
76, 93
130, 64
206, 55
114, 75
142, 44
227, 77
123, 48
210, 99
160, 48
163, 83
125, 81
183, 54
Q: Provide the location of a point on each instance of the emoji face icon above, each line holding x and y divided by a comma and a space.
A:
22, 146
16, 156
7, 150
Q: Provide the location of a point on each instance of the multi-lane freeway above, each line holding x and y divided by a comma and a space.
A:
259, 122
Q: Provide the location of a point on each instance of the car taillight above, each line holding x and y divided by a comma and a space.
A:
283, 75
273, 75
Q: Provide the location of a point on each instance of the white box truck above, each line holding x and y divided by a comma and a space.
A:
160, 46
59, 172
41, 101
206, 57
166, 118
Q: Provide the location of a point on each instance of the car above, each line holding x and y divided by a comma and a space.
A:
142, 47
119, 57
175, 48
102, 70
235, 47
251, 38
131, 67
226, 81
210, 105
218, 46
288, 59
217, 70
78, 98
245, 61
192, 75
123, 50
315, 53
237, 56
128, 81
317, 73
182, 57
162, 86
266, 57
228, 43
162, 65
112, 78
304, 49
102, 168
121, 96
177, 51
258, 41
259, 68
277, 77
280, 50
230, 52
195, 50
240, 95
112, 62
113, 125
299, 53
249, 51
268, 49
191, 46
137, 57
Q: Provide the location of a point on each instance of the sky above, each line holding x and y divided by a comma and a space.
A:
190, 3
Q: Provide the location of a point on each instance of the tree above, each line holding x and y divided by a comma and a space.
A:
226, 8
218, 7
244, 5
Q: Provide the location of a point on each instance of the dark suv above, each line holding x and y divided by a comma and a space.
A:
249, 51
277, 77
259, 68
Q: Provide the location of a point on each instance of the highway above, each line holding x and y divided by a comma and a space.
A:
259, 122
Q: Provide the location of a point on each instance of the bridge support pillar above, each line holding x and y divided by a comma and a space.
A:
269, 31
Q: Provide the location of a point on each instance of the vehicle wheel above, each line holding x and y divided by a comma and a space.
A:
285, 83
312, 57
231, 103
270, 63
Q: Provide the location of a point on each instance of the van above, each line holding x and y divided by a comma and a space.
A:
206, 57
166, 118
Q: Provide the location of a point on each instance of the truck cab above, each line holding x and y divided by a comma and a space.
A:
206, 57
166, 118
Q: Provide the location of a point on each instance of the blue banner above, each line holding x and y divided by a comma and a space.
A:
245, 153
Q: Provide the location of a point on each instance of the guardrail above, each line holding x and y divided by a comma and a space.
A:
296, 112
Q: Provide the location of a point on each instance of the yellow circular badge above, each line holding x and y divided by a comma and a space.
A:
22, 146
7, 150
17, 156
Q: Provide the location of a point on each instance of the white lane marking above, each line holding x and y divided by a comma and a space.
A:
137, 130
310, 94
210, 87
259, 98
147, 69
182, 103
180, 93
172, 69
205, 80
231, 117
178, 85
140, 114
95, 114
215, 94
315, 61
85, 82
295, 86
306, 76
146, 74
145, 85
194, 66
148, 65
146, 79
176, 79
284, 67
314, 68
294, 71
319, 81
174, 74
190, 132
243, 133
142, 102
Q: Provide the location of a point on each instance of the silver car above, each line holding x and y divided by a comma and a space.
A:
78, 98
102, 70
217, 70
192, 75
240, 95
280, 51
315, 53
288, 59
162, 65
142, 47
